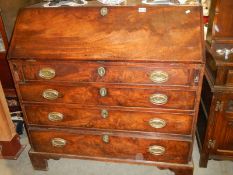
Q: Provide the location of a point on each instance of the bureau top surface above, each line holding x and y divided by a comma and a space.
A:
132, 31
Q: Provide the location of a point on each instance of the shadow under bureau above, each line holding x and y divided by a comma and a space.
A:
122, 86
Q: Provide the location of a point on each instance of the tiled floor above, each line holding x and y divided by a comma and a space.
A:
22, 166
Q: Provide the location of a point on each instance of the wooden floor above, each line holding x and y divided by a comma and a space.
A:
22, 166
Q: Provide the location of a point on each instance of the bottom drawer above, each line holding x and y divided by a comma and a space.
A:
111, 145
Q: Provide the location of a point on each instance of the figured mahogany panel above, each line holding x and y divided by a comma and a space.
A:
223, 131
225, 141
116, 118
123, 147
114, 72
128, 96
123, 34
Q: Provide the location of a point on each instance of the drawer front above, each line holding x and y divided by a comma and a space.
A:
109, 118
147, 73
110, 146
110, 95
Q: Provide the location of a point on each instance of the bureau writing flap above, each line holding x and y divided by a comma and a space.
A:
141, 33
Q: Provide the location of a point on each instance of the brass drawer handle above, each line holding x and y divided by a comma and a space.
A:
104, 11
159, 76
55, 116
58, 142
101, 71
156, 150
50, 94
157, 123
47, 73
103, 92
105, 138
104, 113
158, 99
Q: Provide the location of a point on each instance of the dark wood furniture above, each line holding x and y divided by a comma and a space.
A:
7, 80
116, 83
5, 75
10, 147
215, 124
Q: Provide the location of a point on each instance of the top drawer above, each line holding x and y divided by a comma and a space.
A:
111, 72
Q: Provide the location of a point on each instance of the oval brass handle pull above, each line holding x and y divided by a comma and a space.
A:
156, 150
157, 123
47, 73
104, 113
55, 116
104, 11
105, 138
58, 142
103, 92
50, 94
158, 99
101, 71
159, 76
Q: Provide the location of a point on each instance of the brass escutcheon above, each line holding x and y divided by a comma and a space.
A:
47, 73
101, 71
105, 138
159, 76
103, 92
156, 150
104, 113
157, 123
158, 99
55, 116
58, 142
104, 11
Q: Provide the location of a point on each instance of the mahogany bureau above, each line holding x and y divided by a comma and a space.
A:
110, 83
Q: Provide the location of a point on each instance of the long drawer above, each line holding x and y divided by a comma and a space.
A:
110, 145
110, 95
108, 118
112, 72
